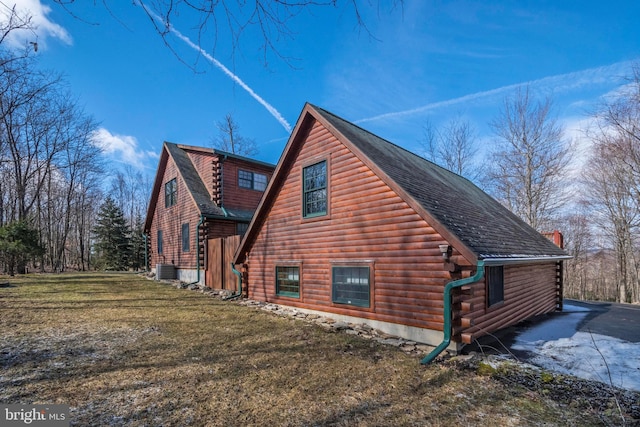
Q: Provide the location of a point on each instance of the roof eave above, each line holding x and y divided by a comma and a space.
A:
488, 261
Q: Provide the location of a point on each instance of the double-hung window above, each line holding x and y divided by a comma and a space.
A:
494, 277
185, 237
351, 285
314, 185
170, 193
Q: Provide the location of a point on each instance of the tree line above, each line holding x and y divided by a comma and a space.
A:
54, 216
540, 174
51, 171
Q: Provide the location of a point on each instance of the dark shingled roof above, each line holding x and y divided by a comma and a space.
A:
481, 223
198, 190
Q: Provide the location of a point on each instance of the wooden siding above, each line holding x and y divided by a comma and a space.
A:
219, 274
235, 197
170, 221
366, 223
529, 290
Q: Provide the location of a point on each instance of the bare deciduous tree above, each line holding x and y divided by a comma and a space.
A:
616, 211
530, 161
453, 147
232, 21
613, 176
230, 140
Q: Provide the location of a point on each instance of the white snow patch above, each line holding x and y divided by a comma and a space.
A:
589, 356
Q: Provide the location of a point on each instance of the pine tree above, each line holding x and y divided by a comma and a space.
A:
18, 242
137, 245
112, 236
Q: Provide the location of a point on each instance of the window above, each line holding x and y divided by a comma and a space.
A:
185, 237
170, 193
350, 285
288, 281
315, 190
159, 241
241, 228
252, 180
495, 285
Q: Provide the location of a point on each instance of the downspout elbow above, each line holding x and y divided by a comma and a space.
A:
446, 340
239, 292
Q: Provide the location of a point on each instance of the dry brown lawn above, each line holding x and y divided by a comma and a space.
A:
122, 350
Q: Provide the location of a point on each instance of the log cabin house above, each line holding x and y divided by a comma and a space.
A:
198, 194
356, 228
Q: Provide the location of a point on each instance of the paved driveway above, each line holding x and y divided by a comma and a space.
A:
595, 341
620, 321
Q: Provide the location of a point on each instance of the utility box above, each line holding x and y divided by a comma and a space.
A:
165, 272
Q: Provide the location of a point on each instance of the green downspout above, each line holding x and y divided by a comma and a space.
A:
239, 293
447, 310
198, 250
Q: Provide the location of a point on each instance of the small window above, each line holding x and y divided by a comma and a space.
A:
495, 285
259, 181
350, 285
252, 180
288, 281
314, 190
185, 237
170, 193
159, 241
241, 228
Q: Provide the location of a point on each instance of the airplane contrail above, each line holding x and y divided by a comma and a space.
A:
559, 82
270, 108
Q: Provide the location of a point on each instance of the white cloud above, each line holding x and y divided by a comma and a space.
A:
43, 28
557, 84
122, 148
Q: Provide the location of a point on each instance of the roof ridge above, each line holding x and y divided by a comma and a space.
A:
389, 142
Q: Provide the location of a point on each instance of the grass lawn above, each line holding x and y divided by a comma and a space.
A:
124, 350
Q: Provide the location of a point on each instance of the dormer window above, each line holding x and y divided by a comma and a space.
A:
252, 180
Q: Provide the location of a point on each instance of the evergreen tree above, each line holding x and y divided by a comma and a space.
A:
112, 247
137, 245
18, 242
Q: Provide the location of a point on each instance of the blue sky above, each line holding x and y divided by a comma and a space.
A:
428, 60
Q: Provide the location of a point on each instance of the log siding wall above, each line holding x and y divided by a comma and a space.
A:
366, 223
237, 197
529, 290
170, 221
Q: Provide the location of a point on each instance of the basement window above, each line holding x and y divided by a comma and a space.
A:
495, 285
350, 285
288, 281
